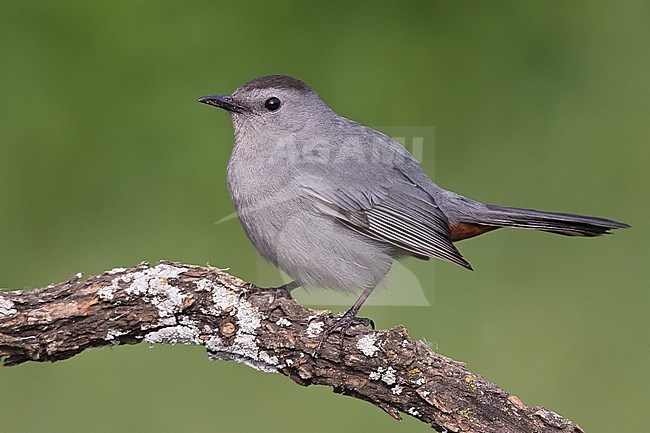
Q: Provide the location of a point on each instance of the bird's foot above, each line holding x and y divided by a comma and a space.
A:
343, 323
283, 291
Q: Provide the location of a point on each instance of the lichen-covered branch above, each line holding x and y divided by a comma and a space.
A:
175, 303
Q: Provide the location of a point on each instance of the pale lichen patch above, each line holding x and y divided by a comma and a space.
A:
386, 375
150, 281
243, 351
125, 278
366, 345
245, 345
107, 293
397, 390
163, 321
413, 411
116, 271
389, 376
222, 298
315, 328
248, 318
179, 334
154, 284
186, 320
6, 307
265, 357
243, 348
283, 322
112, 334
551, 418
168, 300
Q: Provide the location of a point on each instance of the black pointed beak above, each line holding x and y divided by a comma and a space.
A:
224, 101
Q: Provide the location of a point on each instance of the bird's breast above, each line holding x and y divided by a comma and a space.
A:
264, 195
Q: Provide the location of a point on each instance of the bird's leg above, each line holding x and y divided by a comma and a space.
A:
286, 289
348, 319
283, 291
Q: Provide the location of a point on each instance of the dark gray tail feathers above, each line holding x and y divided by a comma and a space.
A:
560, 223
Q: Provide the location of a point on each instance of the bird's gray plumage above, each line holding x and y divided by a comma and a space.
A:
333, 203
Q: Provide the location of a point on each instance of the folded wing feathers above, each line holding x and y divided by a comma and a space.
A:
399, 216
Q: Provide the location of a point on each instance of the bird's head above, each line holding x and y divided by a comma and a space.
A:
274, 106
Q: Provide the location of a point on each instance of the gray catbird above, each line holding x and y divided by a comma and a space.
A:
333, 203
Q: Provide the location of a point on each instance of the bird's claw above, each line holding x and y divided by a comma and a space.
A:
343, 323
283, 291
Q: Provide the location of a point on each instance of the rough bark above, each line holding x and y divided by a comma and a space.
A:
176, 303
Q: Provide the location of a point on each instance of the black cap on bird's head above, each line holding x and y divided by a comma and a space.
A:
275, 82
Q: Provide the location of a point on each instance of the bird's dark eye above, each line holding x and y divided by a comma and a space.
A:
272, 104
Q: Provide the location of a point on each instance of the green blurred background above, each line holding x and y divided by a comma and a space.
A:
106, 159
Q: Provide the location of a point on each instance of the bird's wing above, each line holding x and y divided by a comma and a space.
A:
395, 210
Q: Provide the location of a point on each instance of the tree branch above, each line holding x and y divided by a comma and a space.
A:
176, 303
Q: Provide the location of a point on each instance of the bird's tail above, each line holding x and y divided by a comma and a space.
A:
553, 222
